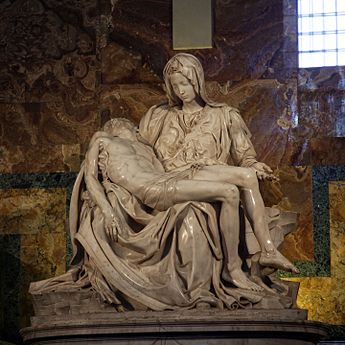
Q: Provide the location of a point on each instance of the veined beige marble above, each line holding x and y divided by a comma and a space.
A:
324, 297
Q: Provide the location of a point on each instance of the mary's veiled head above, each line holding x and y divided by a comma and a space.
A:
190, 67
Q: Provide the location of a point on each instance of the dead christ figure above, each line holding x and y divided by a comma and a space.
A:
132, 165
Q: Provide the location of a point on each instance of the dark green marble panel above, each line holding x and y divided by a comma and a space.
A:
10, 273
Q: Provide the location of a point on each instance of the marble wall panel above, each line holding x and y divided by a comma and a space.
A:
323, 78
39, 180
39, 137
73, 79
12, 84
33, 247
40, 158
247, 35
46, 44
31, 211
129, 100
42, 255
283, 65
322, 176
293, 193
121, 65
289, 7
50, 123
49, 76
17, 126
267, 108
144, 27
12, 55
322, 113
59, 124
327, 151
10, 287
20, 146
324, 297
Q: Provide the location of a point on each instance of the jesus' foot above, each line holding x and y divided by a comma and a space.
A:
239, 279
275, 259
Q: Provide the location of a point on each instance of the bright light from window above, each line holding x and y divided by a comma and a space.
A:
321, 33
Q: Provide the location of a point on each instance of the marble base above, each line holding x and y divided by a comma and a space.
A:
187, 327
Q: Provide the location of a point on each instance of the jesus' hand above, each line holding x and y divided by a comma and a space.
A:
112, 225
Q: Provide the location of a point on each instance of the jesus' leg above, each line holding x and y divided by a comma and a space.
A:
228, 195
254, 207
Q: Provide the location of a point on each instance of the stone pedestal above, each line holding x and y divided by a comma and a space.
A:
188, 327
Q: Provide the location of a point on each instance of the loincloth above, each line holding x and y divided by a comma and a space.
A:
160, 193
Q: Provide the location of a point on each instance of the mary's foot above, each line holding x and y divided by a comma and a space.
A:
239, 279
275, 259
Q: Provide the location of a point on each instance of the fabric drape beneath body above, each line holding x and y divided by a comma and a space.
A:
169, 260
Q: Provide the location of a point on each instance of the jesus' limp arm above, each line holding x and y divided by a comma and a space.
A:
96, 189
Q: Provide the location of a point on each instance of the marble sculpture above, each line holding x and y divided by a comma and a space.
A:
169, 215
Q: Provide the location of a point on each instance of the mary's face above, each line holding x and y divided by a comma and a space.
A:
182, 87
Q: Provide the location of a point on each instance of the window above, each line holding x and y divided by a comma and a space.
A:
321, 33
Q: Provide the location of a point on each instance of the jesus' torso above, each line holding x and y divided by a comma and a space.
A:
129, 163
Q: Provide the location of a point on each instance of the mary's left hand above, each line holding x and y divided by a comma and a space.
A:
264, 172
